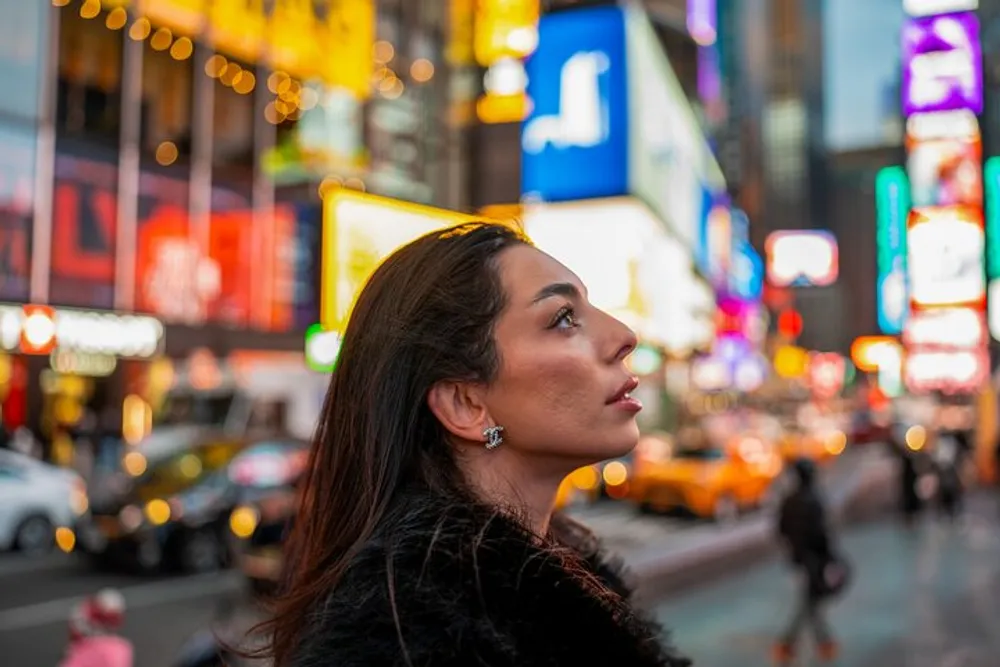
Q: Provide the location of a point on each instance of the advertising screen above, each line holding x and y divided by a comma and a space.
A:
802, 258
892, 198
992, 192
945, 248
945, 172
575, 140
84, 229
359, 231
505, 29
946, 327
948, 371
928, 7
942, 64
670, 163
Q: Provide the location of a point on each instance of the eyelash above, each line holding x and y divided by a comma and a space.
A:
565, 314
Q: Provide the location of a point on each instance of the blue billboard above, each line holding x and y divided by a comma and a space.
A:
575, 140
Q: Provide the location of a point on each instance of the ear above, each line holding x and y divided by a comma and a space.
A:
460, 409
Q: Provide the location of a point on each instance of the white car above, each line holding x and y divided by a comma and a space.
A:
35, 500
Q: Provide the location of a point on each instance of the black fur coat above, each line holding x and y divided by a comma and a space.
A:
449, 584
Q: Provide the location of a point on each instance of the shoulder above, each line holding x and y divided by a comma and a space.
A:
405, 598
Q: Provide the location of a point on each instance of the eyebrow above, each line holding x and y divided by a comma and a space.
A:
557, 289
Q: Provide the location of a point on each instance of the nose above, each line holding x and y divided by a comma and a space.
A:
623, 339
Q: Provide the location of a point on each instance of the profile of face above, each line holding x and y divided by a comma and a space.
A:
561, 392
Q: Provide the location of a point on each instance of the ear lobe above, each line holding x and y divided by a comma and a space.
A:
459, 409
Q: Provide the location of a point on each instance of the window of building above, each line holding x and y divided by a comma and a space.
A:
167, 100
88, 102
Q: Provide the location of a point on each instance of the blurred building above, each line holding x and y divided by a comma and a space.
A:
812, 92
166, 158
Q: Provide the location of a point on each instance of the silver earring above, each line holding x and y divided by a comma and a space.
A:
493, 436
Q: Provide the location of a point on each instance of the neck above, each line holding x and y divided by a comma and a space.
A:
505, 478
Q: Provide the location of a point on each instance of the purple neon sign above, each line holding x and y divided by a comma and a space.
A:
942, 64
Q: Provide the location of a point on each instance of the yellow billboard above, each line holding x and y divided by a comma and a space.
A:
329, 40
359, 231
185, 17
505, 29
461, 28
347, 40
239, 28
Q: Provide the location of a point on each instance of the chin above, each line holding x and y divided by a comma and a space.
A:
619, 443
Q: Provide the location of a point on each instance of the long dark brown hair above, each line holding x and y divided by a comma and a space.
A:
426, 314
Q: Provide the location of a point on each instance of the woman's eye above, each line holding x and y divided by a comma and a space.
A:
565, 319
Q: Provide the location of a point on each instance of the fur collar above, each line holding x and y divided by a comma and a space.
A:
470, 587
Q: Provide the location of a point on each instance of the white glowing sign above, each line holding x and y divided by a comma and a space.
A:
945, 327
802, 258
957, 370
932, 7
582, 119
92, 332
946, 246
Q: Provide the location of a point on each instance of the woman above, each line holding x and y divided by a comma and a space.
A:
473, 376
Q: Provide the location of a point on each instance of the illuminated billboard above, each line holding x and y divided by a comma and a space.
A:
609, 117
804, 258
575, 139
944, 172
504, 29
992, 191
330, 41
950, 371
946, 327
361, 230
942, 64
945, 248
892, 200
928, 7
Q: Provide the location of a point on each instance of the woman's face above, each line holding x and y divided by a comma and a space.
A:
562, 390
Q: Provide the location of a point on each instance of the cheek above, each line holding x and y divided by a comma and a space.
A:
555, 391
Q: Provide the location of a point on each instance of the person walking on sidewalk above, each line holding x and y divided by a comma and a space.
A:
805, 535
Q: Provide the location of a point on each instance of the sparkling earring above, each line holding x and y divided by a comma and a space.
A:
493, 436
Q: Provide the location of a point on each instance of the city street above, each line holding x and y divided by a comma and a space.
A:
926, 598
164, 611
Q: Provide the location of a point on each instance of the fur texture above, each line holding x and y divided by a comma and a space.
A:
455, 584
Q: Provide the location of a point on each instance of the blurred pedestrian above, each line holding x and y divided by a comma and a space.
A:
947, 462
473, 377
93, 627
907, 443
804, 532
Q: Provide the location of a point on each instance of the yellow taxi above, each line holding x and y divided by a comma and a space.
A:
716, 480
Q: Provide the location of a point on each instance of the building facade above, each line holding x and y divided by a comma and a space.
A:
166, 158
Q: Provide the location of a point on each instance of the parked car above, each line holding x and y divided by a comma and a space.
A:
167, 511
36, 500
263, 522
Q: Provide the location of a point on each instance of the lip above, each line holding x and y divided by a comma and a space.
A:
621, 395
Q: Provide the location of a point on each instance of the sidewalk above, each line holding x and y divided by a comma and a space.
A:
926, 597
